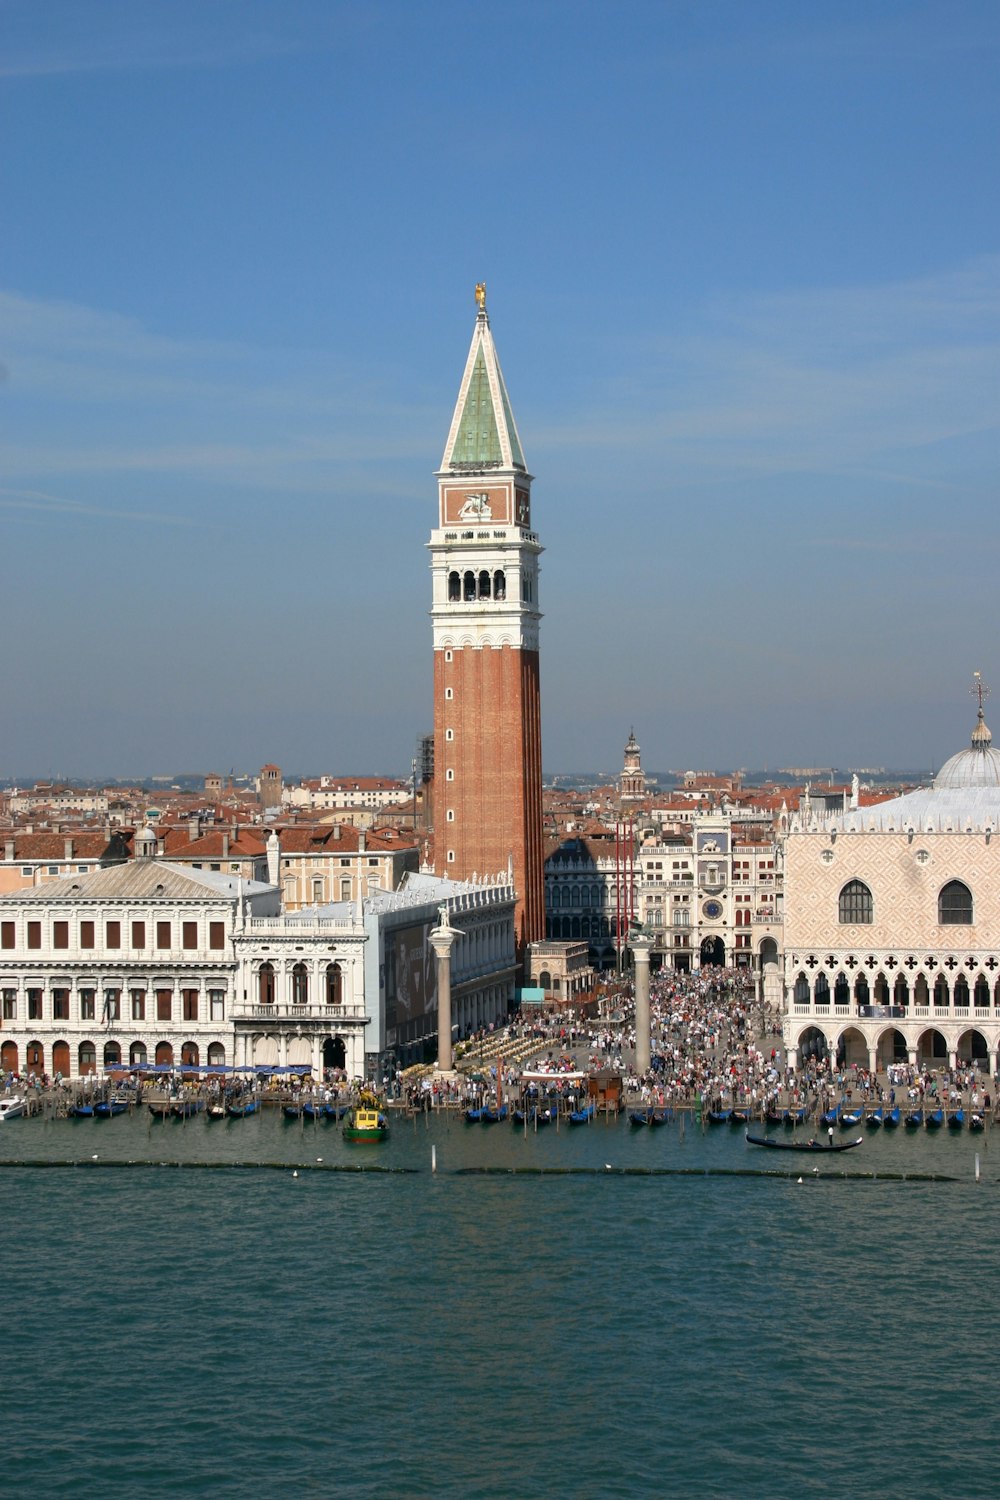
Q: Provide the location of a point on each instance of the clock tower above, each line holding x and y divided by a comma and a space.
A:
487, 710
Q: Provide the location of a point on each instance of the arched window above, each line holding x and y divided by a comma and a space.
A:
801, 990
822, 991
454, 588
861, 990
484, 584
300, 985
334, 985
842, 990
265, 984
469, 586
137, 1055
982, 992
901, 991
855, 908
961, 995
955, 905
499, 585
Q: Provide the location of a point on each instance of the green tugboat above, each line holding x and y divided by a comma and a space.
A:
366, 1122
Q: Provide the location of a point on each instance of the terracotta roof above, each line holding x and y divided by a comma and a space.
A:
52, 846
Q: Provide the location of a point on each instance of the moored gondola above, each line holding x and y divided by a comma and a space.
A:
935, 1119
891, 1117
874, 1118
956, 1119
914, 1118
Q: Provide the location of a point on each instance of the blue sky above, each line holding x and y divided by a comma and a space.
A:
744, 279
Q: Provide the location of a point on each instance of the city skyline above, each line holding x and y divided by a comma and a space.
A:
744, 280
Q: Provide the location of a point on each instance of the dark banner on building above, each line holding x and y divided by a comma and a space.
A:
410, 990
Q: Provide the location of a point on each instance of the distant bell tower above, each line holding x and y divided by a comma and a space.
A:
633, 779
487, 711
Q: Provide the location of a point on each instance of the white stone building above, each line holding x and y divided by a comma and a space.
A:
129, 965
892, 923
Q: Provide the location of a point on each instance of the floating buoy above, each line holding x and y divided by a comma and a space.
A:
800, 1182
295, 1174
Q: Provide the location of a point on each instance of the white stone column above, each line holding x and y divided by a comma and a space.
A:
641, 943
442, 940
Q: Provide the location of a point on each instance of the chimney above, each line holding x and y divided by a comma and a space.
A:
336, 830
67, 849
8, 851
194, 828
361, 841
225, 844
161, 847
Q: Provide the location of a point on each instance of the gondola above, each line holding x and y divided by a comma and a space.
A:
216, 1110
914, 1118
874, 1118
719, 1116
473, 1116
105, 1109
639, 1116
82, 1112
582, 1116
334, 1111
494, 1116
242, 1107
794, 1116
851, 1117
661, 1116
891, 1117
956, 1119
829, 1116
975, 1122
816, 1148
740, 1117
185, 1108
935, 1119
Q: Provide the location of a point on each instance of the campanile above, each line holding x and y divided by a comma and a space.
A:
487, 711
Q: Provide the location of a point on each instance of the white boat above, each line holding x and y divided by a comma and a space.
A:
11, 1106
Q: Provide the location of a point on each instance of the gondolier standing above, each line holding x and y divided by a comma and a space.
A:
829, 1136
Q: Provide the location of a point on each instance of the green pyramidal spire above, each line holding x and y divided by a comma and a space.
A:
483, 432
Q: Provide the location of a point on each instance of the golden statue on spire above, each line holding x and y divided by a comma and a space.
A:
481, 296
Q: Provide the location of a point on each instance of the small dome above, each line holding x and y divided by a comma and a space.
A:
977, 766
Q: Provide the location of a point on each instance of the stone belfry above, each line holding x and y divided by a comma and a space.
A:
487, 710
633, 779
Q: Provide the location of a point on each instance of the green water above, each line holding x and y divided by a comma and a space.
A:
240, 1332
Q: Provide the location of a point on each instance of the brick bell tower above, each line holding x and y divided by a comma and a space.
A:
487, 711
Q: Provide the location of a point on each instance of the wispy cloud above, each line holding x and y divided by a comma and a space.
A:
53, 505
65, 36
826, 378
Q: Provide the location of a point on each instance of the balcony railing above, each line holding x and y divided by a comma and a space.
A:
243, 1011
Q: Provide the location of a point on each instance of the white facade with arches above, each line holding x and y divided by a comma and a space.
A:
892, 925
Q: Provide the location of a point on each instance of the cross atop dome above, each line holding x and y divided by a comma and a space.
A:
483, 434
